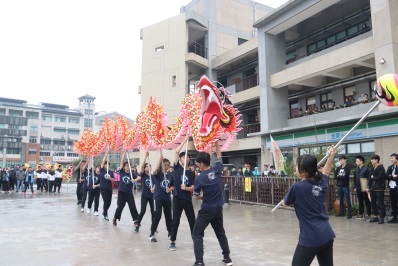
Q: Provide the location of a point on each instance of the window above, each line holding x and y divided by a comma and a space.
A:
74, 120
371, 89
58, 142
349, 92
88, 112
320, 43
352, 30
159, 48
58, 154
354, 148
33, 128
326, 99
32, 152
311, 48
45, 141
32, 139
47, 118
70, 142
32, 115
12, 151
45, 153
294, 108
311, 103
88, 122
14, 127
367, 147
15, 113
340, 35
2, 111
60, 129
73, 131
173, 81
60, 119
71, 154
331, 39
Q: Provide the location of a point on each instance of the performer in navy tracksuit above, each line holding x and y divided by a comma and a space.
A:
210, 182
161, 197
183, 186
146, 194
125, 194
94, 189
309, 196
106, 179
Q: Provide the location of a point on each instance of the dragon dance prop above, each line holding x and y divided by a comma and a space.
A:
386, 91
207, 114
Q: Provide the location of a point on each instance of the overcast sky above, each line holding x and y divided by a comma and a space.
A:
58, 50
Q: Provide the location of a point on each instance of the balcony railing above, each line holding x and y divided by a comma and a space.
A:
247, 129
247, 83
197, 48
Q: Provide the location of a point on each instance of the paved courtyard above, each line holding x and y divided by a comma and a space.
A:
49, 229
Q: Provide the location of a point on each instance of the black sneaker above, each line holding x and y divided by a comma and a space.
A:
152, 238
114, 222
393, 221
198, 264
381, 221
227, 261
374, 219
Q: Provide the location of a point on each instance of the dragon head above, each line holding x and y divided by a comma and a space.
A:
212, 109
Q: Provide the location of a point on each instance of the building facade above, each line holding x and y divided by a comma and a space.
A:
42, 133
303, 73
318, 61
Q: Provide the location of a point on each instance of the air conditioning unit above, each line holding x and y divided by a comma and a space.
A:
69, 147
62, 136
41, 146
41, 158
62, 147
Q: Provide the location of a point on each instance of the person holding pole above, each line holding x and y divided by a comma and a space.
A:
210, 182
146, 194
125, 193
161, 196
183, 183
94, 189
81, 170
308, 197
106, 179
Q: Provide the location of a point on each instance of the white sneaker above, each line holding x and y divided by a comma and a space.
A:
88, 211
95, 213
82, 209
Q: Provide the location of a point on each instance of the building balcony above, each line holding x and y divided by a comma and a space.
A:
336, 115
248, 129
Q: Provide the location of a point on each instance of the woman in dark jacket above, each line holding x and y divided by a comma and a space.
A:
377, 186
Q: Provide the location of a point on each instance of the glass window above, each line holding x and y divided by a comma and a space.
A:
311, 103
340, 35
326, 98
45, 141
331, 39
88, 112
354, 148
32, 152
59, 129
45, 153
88, 122
352, 30
33, 128
71, 154
368, 147
47, 118
321, 43
74, 120
15, 112
294, 108
371, 91
32, 115
311, 48
60, 119
32, 139
349, 91
12, 151
73, 131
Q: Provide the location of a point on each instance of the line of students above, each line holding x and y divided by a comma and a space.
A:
156, 190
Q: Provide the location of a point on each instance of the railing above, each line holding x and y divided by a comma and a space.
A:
197, 48
294, 59
247, 83
271, 190
247, 129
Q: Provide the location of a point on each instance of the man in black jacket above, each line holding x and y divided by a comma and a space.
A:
342, 176
377, 186
392, 177
12, 177
361, 177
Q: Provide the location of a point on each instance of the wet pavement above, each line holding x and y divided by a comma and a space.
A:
50, 229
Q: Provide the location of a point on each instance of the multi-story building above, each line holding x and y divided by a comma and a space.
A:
42, 133
178, 51
299, 73
318, 61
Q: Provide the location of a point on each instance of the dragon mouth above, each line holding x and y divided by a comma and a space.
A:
211, 110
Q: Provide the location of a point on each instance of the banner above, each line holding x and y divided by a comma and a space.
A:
278, 156
248, 184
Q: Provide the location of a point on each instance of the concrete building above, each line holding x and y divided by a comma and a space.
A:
313, 53
45, 133
176, 52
